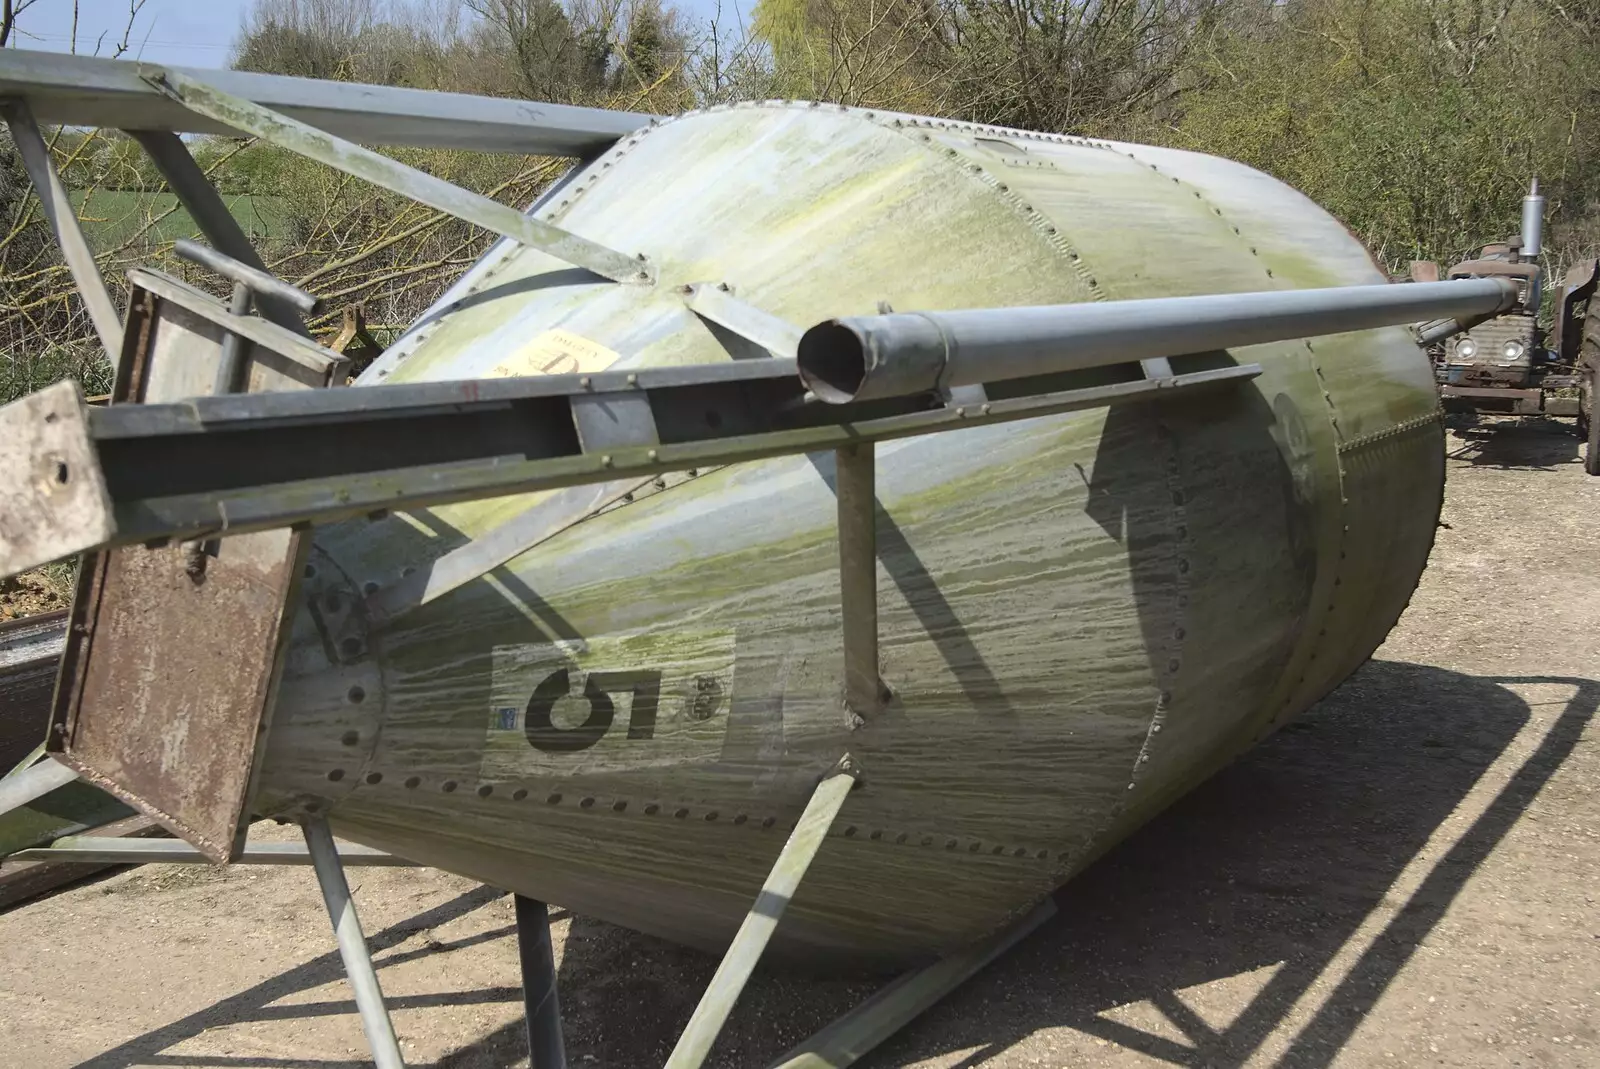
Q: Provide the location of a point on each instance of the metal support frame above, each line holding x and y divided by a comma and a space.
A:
20, 788
63, 219
353, 946
897, 1005
210, 213
249, 284
716, 303
247, 462
106, 850
753, 935
858, 358
109, 93
855, 478
502, 543
352, 159
541, 1005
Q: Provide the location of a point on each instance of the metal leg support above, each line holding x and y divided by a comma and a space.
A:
36, 781
753, 935
855, 486
888, 1011
210, 213
353, 946
540, 1002
63, 220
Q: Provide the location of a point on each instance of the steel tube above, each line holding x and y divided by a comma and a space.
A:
868, 357
210, 213
20, 788
751, 939
541, 1005
232, 370
849, 1038
854, 486
254, 279
106, 850
63, 220
353, 946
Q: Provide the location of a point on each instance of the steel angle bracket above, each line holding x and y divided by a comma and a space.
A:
380, 170
172, 652
716, 303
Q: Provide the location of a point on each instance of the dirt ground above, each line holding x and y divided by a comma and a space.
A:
1408, 877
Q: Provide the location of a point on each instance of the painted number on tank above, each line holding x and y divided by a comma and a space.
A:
539, 725
608, 702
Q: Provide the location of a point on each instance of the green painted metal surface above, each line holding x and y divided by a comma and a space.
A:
1081, 616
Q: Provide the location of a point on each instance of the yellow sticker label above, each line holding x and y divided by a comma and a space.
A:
556, 352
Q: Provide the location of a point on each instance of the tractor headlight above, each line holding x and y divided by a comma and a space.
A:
1513, 351
1466, 348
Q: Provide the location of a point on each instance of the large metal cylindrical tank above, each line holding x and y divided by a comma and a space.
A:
1082, 616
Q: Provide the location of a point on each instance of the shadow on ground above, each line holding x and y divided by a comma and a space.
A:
1528, 442
1274, 863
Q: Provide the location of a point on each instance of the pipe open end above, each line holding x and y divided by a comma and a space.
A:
832, 363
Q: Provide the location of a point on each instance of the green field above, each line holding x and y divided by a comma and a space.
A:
113, 217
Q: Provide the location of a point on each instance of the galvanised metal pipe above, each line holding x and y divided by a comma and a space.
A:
253, 279
540, 1002
20, 788
862, 358
353, 946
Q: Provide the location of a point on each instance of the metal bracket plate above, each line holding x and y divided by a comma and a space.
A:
172, 654
55, 493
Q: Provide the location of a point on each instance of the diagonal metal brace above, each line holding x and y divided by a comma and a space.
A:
392, 175
63, 219
353, 946
740, 960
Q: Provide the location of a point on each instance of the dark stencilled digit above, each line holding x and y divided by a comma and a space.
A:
646, 687
542, 732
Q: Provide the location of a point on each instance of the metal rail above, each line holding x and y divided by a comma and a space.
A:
865, 357
762, 919
247, 462
109, 851
85, 91
20, 788
353, 946
342, 155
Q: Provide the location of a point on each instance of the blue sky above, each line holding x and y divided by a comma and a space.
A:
190, 33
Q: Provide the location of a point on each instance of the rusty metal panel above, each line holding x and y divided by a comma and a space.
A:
172, 655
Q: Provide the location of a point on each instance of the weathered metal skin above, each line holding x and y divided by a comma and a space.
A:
1081, 616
